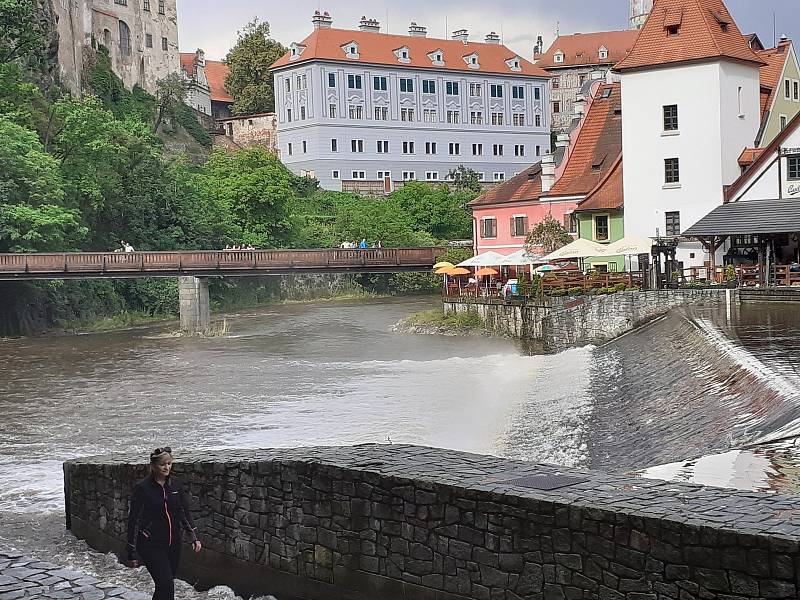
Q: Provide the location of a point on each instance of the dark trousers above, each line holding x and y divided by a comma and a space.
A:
162, 564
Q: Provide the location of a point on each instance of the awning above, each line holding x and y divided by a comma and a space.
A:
748, 217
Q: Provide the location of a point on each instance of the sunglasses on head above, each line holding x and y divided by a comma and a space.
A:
158, 451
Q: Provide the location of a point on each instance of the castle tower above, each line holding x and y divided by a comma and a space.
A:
639, 11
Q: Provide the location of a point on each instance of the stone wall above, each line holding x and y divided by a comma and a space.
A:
398, 522
563, 322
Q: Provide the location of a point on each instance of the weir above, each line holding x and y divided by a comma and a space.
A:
394, 522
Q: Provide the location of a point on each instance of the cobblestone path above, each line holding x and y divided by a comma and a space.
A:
21, 577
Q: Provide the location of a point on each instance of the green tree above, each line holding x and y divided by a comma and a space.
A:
22, 38
465, 179
170, 95
548, 234
249, 80
436, 210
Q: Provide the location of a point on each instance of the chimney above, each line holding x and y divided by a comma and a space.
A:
322, 20
548, 172
200, 58
415, 30
538, 48
369, 25
492, 38
461, 35
562, 140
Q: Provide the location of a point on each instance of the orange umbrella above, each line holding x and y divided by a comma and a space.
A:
457, 271
486, 271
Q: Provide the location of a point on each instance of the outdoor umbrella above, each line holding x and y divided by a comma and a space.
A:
580, 248
444, 270
631, 245
487, 259
546, 268
486, 271
455, 271
443, 265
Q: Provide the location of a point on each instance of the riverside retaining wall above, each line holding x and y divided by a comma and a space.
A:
394, 522
564, 322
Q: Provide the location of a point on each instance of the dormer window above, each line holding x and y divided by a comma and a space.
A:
403, 54
559, 57
672, 21
437, 57
603, 53
673, 30
295, 50
514, 63
351, 50
472, 61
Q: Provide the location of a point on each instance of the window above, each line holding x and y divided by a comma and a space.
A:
289, 148
408, 147
124, 38
358, 175
559, 57
601, 228
409, 176
796, 88
305, 146
334, 145
302, 113
287, 85
331, 79
332, 111
497, 149
384, 175
432, 176
451, 88
497, 118
477, 149
356, 145
406, 85
148, 40
455, 148
673, 30
383, 146
406, 114
161, 7
476, 117
537, 120
519, 226
146, 5
519, 149
537, 93
784, 122
354, 82
453, 116
428, 86
381, 113
518, 119
793, 167
499, 176
355, 111
671, 117
787, 89
430, 147
429, 115
122, 2
379, 84
672, 171
475, 90
673, 222
603, 54
496, 90
489, 227
581, 79
518, 92
335, 174
555, 83
556, 107
288, 115
538, 150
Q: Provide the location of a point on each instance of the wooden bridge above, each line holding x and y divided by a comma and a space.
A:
210, 263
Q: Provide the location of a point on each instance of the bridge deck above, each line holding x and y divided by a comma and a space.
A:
236, 263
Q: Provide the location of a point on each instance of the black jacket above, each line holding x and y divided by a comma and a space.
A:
157, 514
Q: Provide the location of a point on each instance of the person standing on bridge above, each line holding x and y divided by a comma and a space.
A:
158, 510
363, 244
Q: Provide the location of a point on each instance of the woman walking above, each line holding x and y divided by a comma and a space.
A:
158, 509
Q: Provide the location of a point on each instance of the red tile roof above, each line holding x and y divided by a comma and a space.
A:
706, 30
378, 49
608, 194
775, 59
583, 48
216, 72
523, 187
749, 155
598, 144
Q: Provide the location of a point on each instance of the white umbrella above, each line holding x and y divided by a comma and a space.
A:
521, 257
580, 248
631, 245
487, 259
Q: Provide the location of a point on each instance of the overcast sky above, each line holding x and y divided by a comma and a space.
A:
212, 25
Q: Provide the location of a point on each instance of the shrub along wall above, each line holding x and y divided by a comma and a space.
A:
403, 522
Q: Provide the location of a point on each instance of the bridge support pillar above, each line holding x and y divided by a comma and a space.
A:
195, 311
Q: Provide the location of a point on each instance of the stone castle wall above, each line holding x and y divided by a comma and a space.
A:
397, 522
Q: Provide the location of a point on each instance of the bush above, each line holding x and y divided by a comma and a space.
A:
575, 291
188, 120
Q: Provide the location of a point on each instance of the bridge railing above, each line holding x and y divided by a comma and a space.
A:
110, 263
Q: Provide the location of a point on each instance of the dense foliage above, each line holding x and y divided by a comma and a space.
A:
249, 62
549, 235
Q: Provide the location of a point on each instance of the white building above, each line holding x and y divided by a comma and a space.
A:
690, 100
356, 107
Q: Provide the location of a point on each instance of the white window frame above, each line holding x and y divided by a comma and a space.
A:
334, 144
499, 176
454, 149
357, 146
381, 113
431, 175
477, 149
482, 230
476, 90
384, 175
336, 174
382, 146
430, 148
409, 176
358, 175
408, 147
332, 111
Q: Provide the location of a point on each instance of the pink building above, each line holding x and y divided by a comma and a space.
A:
503, 217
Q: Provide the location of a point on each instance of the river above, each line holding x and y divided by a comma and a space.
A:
695, 384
